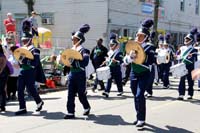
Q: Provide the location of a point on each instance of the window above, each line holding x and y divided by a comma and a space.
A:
47, 18
182, 5
126, 32
197, 7
116, 30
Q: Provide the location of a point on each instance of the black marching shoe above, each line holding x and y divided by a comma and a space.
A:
120, 94
105, 94
135, 122
189, 97
180, 98
140, 124
94, 89
2, 109
148, 95
39, 106
21, 112
86, 111
69, 116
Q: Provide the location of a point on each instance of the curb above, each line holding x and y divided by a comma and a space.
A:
49, 90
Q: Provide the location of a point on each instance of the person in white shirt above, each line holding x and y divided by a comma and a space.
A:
12, 79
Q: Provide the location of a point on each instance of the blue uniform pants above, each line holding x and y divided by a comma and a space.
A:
138, 87
3, 81
77, 84
151, 80
190, 84
27, 79
117, 76
166, 69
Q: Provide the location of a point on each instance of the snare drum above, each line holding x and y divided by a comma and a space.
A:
163, 57
103, 73
179, 70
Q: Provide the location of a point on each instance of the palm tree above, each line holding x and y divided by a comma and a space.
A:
30, 4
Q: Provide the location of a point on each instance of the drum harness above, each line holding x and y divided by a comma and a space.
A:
112, 57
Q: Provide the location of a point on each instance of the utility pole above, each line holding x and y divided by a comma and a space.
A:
155, 26
30, 4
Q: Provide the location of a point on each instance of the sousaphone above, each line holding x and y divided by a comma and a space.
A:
69, 54
23, 51
140, 54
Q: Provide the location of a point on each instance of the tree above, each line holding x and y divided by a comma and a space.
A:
30, 4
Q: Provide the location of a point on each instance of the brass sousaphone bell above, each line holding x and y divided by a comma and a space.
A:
140, 54
23, 51
69, 54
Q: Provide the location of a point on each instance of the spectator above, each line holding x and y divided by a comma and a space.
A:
10, 24
12, 79
34, 23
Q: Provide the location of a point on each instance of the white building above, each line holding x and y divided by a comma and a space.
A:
105, 16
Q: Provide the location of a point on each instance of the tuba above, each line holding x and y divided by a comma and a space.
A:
70, 54
139, 51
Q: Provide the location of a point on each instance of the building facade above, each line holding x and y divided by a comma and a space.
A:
104, 16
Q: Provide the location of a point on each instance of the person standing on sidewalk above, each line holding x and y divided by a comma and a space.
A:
34, 23
12, 79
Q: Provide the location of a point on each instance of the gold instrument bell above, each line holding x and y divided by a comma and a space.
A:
70, 54
23, 51
140, 54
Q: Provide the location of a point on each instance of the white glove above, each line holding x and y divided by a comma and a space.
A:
128, 59
132, 54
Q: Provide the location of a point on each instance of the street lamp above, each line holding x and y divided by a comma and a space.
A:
156, 8
30, 4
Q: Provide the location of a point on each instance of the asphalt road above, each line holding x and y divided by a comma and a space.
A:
115, 114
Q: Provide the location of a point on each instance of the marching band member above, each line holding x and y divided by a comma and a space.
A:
98, 55
4, 72
188, 57
160, 66
151, 66
114, 61
197, 44
30, 72
77, 75
140, 72
166, 66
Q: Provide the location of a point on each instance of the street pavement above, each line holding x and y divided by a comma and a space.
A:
115, 114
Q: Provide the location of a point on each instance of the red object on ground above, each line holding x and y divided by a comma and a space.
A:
50, 83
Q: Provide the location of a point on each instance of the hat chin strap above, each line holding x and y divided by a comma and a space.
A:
77, 43
188, 43
27, 44
141, 42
